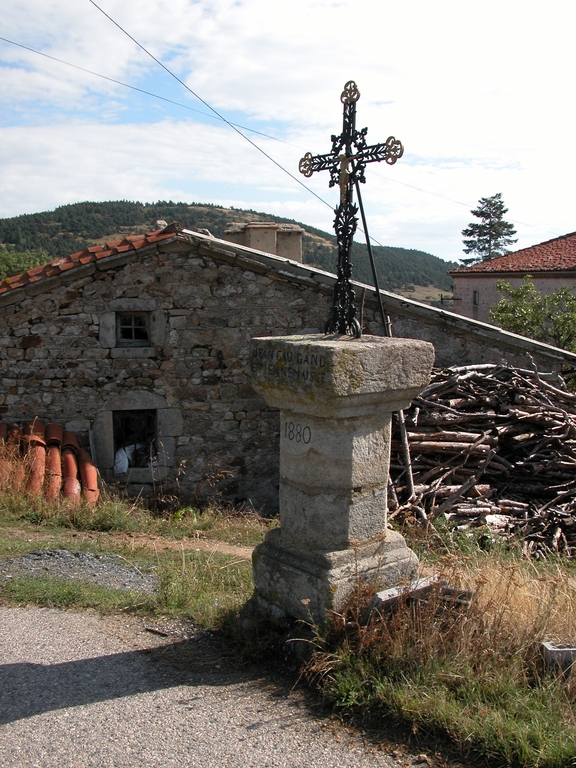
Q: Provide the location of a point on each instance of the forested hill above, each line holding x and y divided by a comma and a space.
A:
33, 239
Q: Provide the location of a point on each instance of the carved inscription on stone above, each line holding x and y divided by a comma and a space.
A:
288, 365
297, 432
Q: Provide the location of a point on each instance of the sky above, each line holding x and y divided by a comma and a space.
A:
479, 94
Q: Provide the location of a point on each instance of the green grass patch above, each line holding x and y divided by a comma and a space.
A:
206, 587
220, 523
160, 516
119, 515
55, 592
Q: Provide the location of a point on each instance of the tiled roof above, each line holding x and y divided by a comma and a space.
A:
91, 254
556, 255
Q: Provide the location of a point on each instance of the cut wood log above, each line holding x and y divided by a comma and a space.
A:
513, 428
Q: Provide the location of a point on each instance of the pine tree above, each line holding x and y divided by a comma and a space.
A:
489, 237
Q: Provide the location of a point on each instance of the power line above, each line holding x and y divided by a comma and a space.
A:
216, 114
211, 108
451, 200
166, 69
140, 90
234, 126
237, 125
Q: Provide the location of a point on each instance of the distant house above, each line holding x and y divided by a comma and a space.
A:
552, 264
140, 347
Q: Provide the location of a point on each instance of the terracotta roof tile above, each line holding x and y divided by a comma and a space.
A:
14, 279
36, 270
91, 254
555, 255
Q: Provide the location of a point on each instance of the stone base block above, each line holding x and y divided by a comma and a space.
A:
308, 584
331, 521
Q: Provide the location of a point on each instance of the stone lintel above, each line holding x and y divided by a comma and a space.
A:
131, 353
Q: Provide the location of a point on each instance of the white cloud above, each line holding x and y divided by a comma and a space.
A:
478, 95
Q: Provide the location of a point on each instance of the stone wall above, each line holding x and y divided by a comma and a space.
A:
59, 362
203, 300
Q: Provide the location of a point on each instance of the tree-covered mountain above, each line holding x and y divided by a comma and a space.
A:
33, 239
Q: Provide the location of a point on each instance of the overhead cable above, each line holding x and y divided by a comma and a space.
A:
212, 109
216, 114
209, 106
140, 90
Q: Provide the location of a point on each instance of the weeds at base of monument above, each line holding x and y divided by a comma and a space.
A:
471, 671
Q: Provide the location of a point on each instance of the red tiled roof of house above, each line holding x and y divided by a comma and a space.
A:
556, 255
91, 254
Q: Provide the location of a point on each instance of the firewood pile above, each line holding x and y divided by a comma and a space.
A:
491, 445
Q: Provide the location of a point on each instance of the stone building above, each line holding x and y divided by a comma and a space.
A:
140, 347
551, 264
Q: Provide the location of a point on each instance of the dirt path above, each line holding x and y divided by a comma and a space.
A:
132, 540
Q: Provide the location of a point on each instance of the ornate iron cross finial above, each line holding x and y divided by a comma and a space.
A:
346, 164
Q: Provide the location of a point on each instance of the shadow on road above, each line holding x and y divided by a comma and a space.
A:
28, 689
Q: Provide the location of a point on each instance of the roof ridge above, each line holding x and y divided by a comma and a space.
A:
90, 254
555, 255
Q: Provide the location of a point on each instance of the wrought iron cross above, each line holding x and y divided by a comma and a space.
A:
346, 164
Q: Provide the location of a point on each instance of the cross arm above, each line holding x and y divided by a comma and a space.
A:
390, 151
310, 163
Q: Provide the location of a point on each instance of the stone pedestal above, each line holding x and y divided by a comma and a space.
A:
336, 395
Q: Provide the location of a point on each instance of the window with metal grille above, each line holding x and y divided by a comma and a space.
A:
134, 439
132, 329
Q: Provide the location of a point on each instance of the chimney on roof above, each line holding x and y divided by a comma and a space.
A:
161, 224
284, 240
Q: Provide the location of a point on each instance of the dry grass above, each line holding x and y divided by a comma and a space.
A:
526, 603
242, 527
473, 674
14, 468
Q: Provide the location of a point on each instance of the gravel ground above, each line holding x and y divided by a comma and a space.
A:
106, 570
77, 689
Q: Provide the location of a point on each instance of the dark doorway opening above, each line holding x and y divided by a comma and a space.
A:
135, 436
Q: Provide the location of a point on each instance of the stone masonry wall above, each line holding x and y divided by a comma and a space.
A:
54, 365
205, 300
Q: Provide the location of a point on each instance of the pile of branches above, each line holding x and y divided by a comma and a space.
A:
491, 445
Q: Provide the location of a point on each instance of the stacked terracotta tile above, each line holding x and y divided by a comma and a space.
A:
45, 459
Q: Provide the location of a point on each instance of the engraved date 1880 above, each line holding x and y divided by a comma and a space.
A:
298, 433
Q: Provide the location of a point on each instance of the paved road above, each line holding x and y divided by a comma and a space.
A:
80, 690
